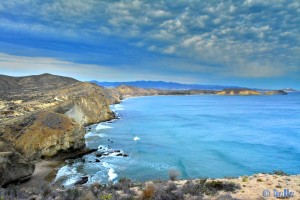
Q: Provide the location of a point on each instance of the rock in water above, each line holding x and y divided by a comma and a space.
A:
82, 181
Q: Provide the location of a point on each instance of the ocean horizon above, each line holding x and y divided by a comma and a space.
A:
198, 136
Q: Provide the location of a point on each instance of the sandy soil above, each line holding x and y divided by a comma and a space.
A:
43, 174
262, 186
252, 187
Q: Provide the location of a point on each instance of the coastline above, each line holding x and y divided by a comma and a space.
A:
44, 174
252, 186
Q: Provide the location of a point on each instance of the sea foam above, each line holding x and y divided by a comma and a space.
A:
118, 107
102, 126
111, 174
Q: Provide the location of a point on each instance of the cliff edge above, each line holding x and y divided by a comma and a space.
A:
37, 132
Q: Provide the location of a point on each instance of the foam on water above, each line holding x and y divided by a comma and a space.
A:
207, 137
68, 175
118, 107
102, 126
136, 138
111, 174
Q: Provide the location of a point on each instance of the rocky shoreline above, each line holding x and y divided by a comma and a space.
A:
31, 133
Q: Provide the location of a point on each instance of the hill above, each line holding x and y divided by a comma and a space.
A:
44, 116
163, 85
11, 86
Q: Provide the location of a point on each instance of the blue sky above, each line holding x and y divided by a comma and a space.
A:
252, 43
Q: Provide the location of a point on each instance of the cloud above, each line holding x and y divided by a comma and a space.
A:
214, 33
19, 65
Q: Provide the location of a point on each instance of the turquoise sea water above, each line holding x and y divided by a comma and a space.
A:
200, 136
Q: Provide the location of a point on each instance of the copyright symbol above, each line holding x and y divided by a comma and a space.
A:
266, 193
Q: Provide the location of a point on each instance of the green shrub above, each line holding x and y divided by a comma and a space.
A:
212, 187
106, 197
280, 173
245, 179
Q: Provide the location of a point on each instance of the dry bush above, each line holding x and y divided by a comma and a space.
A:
173, 174
148, 192
89, 196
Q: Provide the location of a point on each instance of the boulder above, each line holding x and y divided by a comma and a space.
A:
49, 135
82, 181
14, 168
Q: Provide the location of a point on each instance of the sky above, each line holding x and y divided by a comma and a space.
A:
250, 43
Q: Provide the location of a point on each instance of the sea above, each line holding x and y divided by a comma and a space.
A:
196, 136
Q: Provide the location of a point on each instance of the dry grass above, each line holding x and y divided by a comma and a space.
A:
148, 192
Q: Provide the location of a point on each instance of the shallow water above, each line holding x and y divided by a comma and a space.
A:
200, 136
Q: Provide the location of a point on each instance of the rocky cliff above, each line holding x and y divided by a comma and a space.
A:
13, 167
57, 127
238, 92
130, 91
50, 134
276, 92
126, 91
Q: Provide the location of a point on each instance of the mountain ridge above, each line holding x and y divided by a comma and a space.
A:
163, 85
11, 85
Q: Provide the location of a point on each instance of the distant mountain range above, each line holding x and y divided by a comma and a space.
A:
163, 85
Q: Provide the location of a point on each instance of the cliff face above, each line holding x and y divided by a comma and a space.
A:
58, 128
238, 92
49, 134
129, 91
90, 106
13, 167
274, 92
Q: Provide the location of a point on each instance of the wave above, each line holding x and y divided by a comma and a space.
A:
102, 126
68, 176
117, 107
111, 174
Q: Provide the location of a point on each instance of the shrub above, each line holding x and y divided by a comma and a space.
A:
173, 174
106, 197
72, 194
212, 187
89, 196
95, 188
46, 191
245, 179
171, 187
124, 184
280, 173
194, 189
148, 192
226, 197
259, 180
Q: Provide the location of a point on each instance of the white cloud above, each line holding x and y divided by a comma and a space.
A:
23, 65
225, 32
158, 13
170, 50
